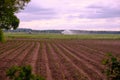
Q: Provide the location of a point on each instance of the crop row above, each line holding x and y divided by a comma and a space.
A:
56, 59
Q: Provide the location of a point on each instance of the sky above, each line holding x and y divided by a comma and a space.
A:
71, 14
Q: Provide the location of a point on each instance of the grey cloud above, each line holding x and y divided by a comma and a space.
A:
94, 7
37, 13
103, 12
35, 17
93, 12
36, 10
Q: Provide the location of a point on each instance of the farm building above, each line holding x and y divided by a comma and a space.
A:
67, 32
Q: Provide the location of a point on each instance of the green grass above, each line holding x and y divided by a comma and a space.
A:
61, 36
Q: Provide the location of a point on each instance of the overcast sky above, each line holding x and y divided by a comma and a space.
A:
71, 14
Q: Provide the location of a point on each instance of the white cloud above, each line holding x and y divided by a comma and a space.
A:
71, 14
85, 24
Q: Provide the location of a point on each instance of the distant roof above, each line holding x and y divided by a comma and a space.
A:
67, 32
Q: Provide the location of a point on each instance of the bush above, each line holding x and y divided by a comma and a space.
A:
22, 73
112, 67
2, 38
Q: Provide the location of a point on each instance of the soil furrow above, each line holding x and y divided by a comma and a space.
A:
59, 69
7, 47
83, 55
68, 74
49, 74
87, 67
10, 51
41, 65
28, 56
75, 66
34, 57
24, 54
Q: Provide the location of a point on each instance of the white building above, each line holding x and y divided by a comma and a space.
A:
67, 32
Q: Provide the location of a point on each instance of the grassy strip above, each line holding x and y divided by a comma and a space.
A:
61, 36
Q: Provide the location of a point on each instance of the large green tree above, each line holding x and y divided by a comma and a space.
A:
8, 19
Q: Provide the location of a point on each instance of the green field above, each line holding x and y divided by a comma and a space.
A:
62, 36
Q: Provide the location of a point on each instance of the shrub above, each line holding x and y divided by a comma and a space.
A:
22, 73
112, 67
2, 38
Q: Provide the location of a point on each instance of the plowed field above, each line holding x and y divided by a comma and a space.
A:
58, 59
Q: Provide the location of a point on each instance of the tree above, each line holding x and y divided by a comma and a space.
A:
9, 22
8, 8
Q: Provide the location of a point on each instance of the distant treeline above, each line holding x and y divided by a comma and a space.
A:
94, 32
62, 31
34, 31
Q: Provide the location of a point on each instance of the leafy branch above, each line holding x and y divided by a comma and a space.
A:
22, 73
112, 67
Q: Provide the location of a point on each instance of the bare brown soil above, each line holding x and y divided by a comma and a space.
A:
58, 59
